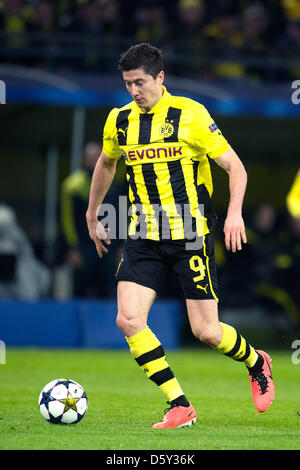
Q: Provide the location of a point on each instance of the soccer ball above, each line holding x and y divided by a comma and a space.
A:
63, 401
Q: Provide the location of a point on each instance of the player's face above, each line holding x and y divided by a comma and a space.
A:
145, 90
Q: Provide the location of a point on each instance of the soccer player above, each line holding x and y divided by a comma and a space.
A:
166, 141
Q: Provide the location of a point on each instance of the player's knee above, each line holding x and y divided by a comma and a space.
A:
206, 335
122, 321
127, 323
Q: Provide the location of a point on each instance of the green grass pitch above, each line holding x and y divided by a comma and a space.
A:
123, 403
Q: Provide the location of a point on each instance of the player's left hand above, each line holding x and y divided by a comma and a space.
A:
235, 233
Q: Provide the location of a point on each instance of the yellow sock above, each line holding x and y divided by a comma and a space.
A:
150, 356
236, 347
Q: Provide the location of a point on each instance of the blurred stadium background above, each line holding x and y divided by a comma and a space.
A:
58, 61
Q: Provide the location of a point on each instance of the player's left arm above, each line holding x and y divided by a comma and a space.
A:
234, 227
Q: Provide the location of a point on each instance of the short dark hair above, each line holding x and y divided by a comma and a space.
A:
144, 56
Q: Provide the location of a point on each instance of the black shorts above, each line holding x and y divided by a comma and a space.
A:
148, 262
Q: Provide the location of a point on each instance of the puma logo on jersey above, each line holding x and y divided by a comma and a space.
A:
123, 131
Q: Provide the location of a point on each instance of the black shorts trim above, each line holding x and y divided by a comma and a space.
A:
137, 281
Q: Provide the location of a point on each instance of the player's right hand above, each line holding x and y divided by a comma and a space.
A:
99, 235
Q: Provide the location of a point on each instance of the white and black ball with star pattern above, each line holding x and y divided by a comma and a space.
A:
63, 401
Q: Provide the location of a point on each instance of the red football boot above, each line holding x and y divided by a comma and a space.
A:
177, 417
263, 389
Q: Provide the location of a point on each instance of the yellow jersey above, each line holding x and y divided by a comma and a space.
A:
168, 171
293, 197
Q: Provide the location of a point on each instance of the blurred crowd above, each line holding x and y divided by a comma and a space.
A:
267, 270
225, 39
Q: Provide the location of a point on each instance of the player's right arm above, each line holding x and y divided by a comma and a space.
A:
103, 176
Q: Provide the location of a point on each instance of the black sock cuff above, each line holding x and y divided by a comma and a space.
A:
258, 365
180, 401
